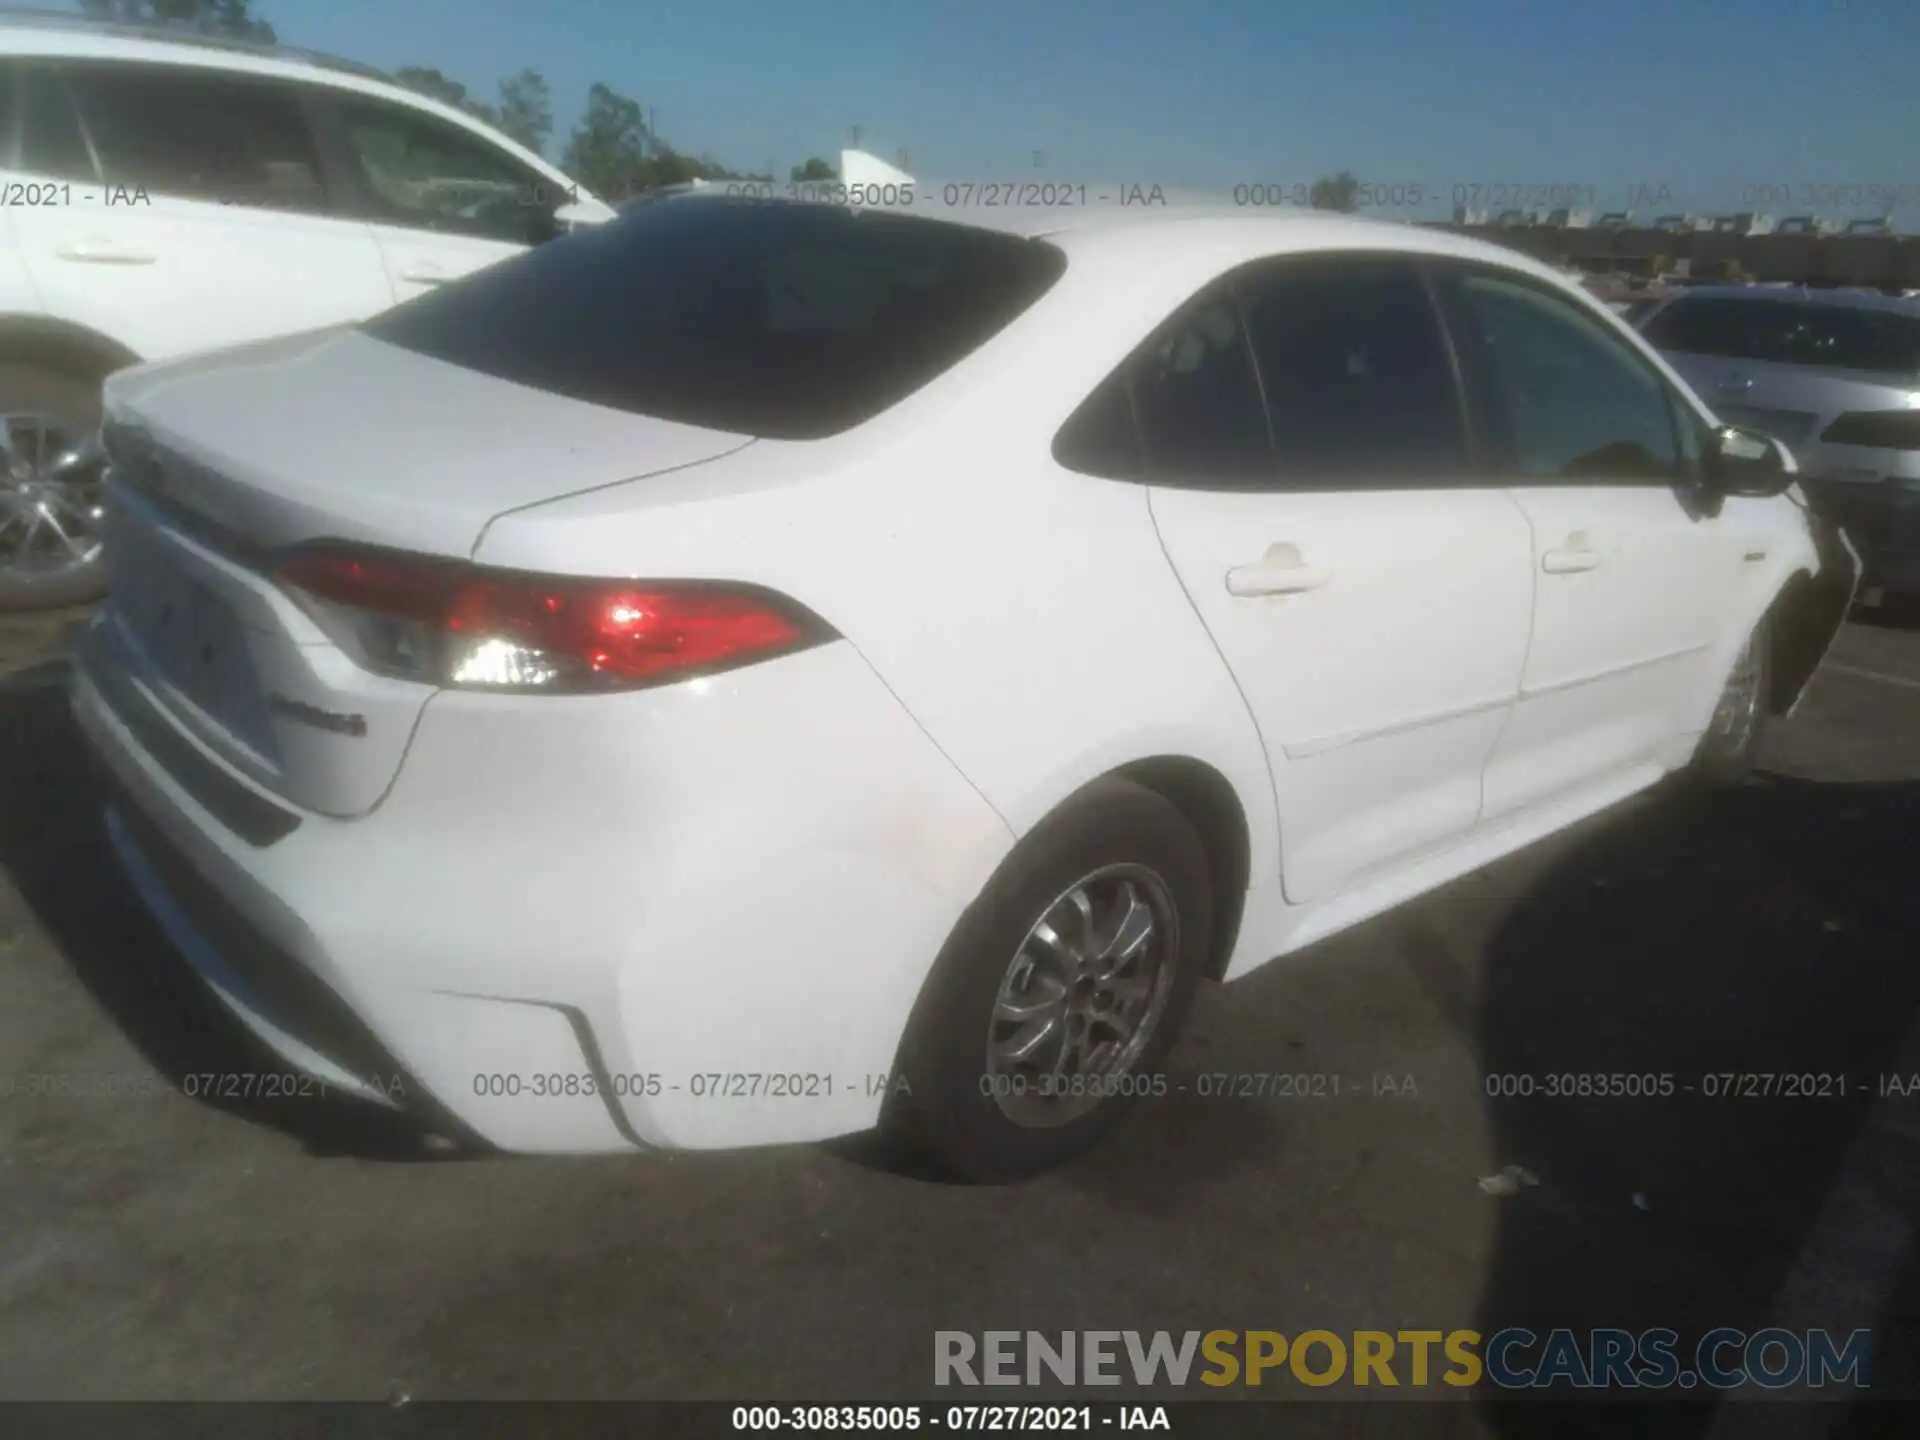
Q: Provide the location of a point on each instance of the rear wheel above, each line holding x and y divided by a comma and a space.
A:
51, 488
1726, 752
1060, 991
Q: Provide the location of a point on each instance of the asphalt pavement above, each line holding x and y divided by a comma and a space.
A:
158, 1246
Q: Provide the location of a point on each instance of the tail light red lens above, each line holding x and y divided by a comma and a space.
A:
460, 625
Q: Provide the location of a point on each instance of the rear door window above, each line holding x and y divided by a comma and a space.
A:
1358, 384
790, 321
1197, 399
9, 115
1102, 438
200, 135
51, 142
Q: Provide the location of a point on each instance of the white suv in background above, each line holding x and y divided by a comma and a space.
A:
162, 194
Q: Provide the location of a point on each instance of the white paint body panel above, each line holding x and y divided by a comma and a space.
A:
417, 261
18, 294
754, 873
713, 888
1618, 650
386, 477
171, 275
1380, 694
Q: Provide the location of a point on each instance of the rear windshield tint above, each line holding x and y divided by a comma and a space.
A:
789, 321
1791, 333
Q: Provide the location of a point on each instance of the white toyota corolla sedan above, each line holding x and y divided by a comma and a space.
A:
749, 673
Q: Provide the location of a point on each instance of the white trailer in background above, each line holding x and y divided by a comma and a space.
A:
857, 167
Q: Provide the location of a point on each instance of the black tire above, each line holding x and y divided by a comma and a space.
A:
1726, 753
73, 398
945, 1111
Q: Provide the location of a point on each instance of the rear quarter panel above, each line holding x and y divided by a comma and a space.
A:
1026, 616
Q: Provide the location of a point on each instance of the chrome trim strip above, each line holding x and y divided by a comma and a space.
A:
1528, 692
1320, 745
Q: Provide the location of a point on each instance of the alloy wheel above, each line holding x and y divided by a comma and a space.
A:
52, 497
1737, 714
1083, 996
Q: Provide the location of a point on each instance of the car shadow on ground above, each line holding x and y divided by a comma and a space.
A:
1771, 930
53, 844
1895, 612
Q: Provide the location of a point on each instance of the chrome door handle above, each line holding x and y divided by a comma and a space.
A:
1280, 572
425, 277
97, 250
1569, 562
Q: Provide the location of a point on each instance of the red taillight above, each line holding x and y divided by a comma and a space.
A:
460, 625
390, 584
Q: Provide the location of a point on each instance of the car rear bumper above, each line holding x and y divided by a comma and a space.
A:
682, 917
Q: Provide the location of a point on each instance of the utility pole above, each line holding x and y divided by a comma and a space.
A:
854, 130
653, 131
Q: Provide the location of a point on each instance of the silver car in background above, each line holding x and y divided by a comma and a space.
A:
1833, 374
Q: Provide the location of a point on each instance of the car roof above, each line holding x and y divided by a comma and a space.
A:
55, 32
54, 35
1119, 226
1801, 295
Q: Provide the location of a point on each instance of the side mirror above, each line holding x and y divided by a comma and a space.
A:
1748, 462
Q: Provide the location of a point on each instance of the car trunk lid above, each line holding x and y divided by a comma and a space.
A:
220, 464
338, 435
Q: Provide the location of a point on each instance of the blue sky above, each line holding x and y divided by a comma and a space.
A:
1705, 97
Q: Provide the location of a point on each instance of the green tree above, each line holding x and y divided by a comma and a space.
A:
1337, 192
814, 169
230, 18
609, 148
666, 166
526, 109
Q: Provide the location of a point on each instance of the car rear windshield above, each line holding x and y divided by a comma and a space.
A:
1788, 332
792, 321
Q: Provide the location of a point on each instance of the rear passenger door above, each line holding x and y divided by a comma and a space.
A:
1639, 580
1313, 483
198, 214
